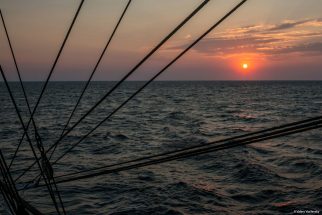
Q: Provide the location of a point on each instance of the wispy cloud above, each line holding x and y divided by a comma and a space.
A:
288, 25
300, 37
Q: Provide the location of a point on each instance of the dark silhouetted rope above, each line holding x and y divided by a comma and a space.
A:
32, 209
40, 145
8, 187
6, 198
15, 203
21, 84
198, 150
48, 185
153, 78
51, 71
123, 79
236, 138
93, 72
136, 67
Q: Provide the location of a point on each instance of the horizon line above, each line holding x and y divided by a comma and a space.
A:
202, 80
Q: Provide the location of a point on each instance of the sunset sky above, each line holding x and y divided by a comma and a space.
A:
277, 39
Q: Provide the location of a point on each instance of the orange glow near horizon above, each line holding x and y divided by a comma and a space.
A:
245, 66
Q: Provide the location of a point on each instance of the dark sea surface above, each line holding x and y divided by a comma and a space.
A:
272, 177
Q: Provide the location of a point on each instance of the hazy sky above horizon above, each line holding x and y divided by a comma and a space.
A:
279, 40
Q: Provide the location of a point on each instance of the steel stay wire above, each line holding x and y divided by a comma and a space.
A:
6, 198
10, 191
152, 79
249, 136
148, 82
93, 72
6, 174
223, 144
301, 129
14, 202
159, 73
51, 71
29, 140
48, 185
231, 144
310, 120
185, 155
21, 84
314, 119
7, 193
134, 68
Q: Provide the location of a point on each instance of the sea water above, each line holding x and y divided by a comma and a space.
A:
282, 175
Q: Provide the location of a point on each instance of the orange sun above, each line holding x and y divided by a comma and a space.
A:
245, 66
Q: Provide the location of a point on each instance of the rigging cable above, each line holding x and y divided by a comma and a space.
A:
6, 198
47, 182
284, 132
153, 78
249, 136
21, 84
134, 69
159, 73
15, 203
51, 71
40, 145
93, 72
7, 188
236, 138
297, 128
